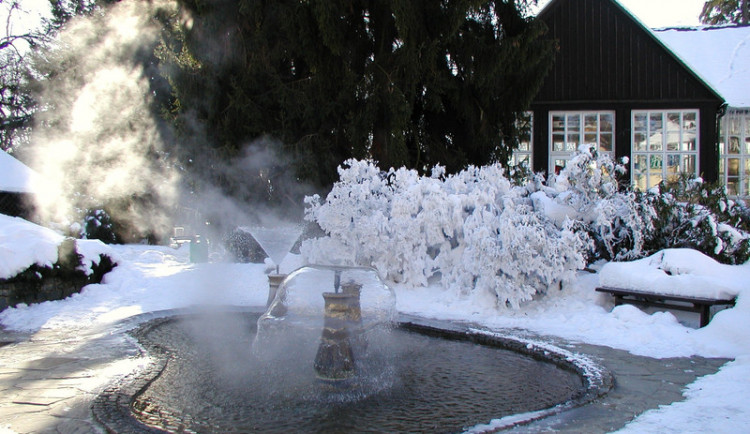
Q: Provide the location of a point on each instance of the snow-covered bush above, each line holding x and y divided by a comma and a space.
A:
691, 214
617, 221
473, 230
514, 238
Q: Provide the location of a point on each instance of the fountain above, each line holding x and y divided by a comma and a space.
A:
329, 354
276, 241
331, 323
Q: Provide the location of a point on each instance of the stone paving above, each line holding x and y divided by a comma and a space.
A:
50, 379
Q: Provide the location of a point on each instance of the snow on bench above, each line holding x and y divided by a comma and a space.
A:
700, 305
680, 279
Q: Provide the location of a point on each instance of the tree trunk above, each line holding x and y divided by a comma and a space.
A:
745, 11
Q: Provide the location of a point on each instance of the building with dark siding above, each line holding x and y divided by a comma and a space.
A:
617, 87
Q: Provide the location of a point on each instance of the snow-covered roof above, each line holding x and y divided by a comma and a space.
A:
720, 55
15, 176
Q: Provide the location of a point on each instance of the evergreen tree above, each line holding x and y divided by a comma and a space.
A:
725, 11
407, 83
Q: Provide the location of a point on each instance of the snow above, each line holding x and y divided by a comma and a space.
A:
15, 176
23, 244
720, 55
673, 272
155, 278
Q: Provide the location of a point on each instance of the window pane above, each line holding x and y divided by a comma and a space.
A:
732, 187
558, 142
688, 165
589, 139
733, 167
721, 170
655, 123
655, 170
673, 167
673, 141
606, 123
654, 141
734, 145
590, 123
733, 178
639, 141
558, 123
640, 172
673, 121
734, 125
574, 123
572, 143
688, 142
746, 180
689, 121
639, 122
747, 145
605, 142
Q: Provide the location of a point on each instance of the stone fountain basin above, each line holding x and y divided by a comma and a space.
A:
445, 376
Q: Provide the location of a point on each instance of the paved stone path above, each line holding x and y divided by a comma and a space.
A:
49, 379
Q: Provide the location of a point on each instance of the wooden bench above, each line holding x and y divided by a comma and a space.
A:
702, 305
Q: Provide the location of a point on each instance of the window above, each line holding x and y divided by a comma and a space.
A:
568, 130
665, 145
525, 150
734, 151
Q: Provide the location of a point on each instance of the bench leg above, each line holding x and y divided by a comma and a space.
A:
705, 311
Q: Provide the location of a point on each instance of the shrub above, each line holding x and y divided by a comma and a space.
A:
97, 225
477, 230
617, 221
473, 230
692, 214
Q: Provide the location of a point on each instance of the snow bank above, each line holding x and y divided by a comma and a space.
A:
23, 244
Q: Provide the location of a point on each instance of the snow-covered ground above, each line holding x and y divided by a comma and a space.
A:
150, 278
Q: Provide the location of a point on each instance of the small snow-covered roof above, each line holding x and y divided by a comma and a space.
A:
720, 55
15, 176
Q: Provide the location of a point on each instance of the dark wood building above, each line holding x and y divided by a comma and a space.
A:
615, 86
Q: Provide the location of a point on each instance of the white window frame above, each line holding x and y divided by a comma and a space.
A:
734, 151
659, 143
561, 151
525, 150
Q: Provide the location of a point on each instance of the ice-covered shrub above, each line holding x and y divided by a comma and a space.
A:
690, 213
473, 230
615, 218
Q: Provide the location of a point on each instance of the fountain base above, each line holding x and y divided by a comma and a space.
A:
335, 359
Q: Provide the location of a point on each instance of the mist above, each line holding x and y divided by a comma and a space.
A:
100, 141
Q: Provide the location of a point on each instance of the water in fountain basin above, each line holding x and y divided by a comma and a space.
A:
277, 241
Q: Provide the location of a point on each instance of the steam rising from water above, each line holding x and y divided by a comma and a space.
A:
100, 143
97, 140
